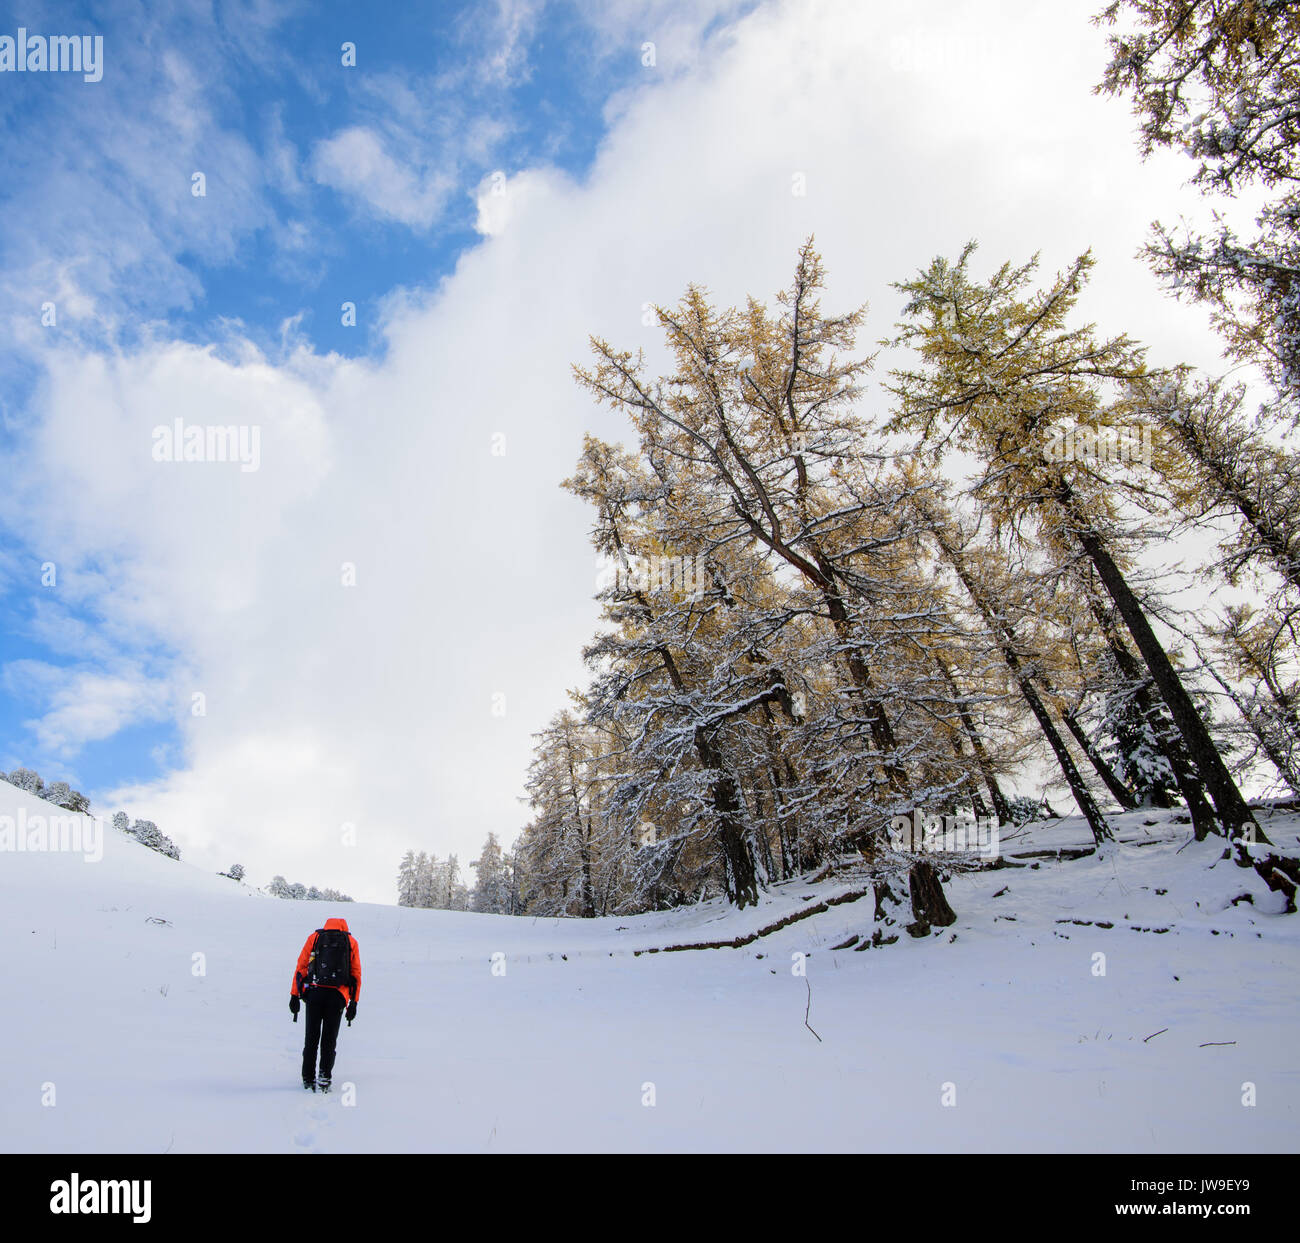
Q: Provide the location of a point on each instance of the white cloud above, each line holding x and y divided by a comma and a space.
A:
355, 161
86, 705
373, 704
679, 32
513, 24
500, 197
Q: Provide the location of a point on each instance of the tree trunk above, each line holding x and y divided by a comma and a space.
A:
734, 836
929, 906
1228, 802
1171, 745
1119, 791
1001, 808
739, 869
882, 733
1279, 761
1082, 796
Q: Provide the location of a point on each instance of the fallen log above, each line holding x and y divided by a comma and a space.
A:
736, 943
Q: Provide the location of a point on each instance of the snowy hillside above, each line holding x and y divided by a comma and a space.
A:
558, 1052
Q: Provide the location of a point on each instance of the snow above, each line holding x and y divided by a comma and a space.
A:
555, 1054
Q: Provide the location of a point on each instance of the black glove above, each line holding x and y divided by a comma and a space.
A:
351, 1012
294, 1003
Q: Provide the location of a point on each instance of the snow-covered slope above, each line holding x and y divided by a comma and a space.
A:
1043, 1054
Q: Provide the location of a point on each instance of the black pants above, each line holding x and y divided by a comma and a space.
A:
324, 1011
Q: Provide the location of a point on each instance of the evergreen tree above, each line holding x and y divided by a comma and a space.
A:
407, 880
491, 893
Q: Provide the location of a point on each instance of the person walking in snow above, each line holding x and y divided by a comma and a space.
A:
328, 978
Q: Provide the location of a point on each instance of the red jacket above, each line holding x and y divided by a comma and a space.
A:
304, 964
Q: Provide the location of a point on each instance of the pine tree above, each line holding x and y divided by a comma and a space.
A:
407, 880
453, 895
491, 894
424, 889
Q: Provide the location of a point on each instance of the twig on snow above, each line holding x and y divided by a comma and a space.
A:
808, 1010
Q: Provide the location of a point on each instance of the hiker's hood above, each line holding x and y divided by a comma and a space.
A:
340, 924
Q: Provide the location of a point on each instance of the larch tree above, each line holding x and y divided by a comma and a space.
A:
1219, 81
753, 460
1005, 375
976, 570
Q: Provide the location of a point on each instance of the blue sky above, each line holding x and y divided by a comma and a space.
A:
445, 90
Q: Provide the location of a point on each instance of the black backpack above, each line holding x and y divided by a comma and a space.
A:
331, 959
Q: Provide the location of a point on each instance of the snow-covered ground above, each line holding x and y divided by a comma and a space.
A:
1005, 1013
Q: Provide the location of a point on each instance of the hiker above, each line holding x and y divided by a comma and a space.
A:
328, 978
